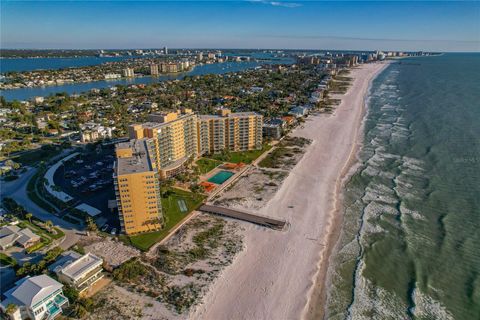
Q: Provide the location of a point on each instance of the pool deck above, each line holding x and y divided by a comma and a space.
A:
226, 174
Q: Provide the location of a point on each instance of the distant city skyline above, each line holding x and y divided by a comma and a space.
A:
255, 24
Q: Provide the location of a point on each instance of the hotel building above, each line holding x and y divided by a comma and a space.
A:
137, 187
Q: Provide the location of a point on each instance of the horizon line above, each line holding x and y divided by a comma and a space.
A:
256, 49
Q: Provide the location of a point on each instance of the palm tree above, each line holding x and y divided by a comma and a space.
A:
49, 224
29, 217
11, 308
91, 225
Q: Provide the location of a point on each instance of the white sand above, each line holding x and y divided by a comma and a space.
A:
275, 275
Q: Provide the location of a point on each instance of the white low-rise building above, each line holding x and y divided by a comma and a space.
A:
92, 132
39, 297
298, 111
80, 271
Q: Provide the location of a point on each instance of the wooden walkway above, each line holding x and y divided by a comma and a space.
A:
245, 216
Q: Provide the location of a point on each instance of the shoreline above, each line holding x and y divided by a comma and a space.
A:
315, 308
276, 274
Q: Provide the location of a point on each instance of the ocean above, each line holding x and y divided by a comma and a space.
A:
410, 241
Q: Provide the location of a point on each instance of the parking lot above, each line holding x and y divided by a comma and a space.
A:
88, 178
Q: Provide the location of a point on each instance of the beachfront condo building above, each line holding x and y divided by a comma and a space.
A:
179, 137
173, 137
137, 188
240, 131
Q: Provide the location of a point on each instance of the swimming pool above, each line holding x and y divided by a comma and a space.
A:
221, 177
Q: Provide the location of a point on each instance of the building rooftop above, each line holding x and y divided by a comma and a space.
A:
66, 258
139, 162
8, 230
11, 234
77, 268
230, 115
26, 235
31, 290
273, 122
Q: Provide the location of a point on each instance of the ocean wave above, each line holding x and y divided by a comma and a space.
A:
428, 308
373, 302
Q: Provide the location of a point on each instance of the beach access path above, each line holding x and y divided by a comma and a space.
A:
274, 276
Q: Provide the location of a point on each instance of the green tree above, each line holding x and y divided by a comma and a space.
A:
91, 225
71, 293
48, 224
79, 311
29, 217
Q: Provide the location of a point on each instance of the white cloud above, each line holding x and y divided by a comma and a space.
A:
278, 3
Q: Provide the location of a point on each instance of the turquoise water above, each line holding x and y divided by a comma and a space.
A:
410, 244
221, 177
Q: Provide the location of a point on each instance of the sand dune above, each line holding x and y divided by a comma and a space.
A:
276, 274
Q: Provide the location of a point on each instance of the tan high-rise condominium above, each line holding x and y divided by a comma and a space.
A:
137, 188
178, 137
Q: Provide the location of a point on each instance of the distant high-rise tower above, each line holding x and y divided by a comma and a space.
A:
128, 72
165, 50
154, 69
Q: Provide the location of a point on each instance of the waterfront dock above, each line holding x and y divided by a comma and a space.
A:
244, 215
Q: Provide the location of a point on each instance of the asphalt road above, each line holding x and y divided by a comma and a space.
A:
17, 190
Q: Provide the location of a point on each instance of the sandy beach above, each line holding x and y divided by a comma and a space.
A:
278, 271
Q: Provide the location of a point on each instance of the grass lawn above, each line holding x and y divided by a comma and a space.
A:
244, 156
34, 157
205, 165
38, 246
40, 231
172, 214
33, 195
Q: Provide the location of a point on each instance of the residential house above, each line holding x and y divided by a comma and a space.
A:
289, 120
256, 89
78, 271
316, 96
10, 235
273, 128
298, 111
39, 297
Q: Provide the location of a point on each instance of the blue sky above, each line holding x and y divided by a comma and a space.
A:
385, 25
